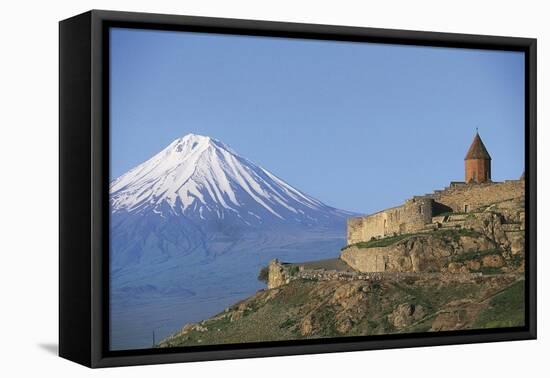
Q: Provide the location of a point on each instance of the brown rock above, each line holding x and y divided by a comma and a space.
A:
306, 326
448, 321
405, 314
343, 292
237, 315
344, 326
276, 274
522, 220
454, 267
186, 329
518, 244
492, 261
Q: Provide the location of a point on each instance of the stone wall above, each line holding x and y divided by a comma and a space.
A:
368, 260
282, 275
417, 212
413, 215
467, 198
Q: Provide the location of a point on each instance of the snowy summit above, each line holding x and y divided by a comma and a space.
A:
202, 178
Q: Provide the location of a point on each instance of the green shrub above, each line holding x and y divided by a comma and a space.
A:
293, 270
490, 270
456, 233
473, 255
384, 242
287, 323
263, 276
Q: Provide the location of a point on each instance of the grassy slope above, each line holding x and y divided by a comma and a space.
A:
390, 240
357, 308
506, 309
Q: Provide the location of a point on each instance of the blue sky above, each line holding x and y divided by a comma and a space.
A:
359, 126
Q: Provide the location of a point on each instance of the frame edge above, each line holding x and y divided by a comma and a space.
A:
74, 189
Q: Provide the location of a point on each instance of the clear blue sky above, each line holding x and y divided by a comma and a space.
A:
359, 126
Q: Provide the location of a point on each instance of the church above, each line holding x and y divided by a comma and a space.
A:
477, 162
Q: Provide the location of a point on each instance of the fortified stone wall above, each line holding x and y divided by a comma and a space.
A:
413, 215
416, 212
467, 198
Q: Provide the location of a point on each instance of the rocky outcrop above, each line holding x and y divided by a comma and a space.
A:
277, 274
420, 253
406, 314
348, 303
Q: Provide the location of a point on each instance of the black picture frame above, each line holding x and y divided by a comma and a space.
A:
83, 180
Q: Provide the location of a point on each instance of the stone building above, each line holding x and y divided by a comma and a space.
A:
428, 211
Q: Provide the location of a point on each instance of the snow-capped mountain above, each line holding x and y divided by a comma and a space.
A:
203, 179
190, 229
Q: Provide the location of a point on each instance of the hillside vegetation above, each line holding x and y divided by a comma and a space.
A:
309, 309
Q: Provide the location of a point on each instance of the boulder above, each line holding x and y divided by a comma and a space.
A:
490, 225
406, 314
492, 261
480, 243
473, 265
307, 325
447, 321
454, 267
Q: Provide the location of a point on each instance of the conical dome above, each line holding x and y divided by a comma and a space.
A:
477, 150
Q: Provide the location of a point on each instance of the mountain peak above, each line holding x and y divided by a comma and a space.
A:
195, 142
200, 177
189, 142
193, 138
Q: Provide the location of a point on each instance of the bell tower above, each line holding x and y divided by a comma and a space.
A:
477, 162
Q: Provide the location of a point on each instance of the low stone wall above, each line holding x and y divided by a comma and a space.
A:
282, 275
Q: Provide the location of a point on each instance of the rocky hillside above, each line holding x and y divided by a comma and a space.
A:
316, 309
465, 273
